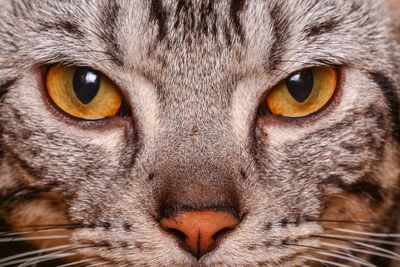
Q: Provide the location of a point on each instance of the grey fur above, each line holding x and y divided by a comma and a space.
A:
193, 73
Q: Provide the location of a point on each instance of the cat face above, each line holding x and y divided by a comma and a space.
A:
198, 134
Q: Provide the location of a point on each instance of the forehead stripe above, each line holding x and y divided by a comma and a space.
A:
109, 18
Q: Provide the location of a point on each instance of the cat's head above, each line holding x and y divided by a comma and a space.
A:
237, 132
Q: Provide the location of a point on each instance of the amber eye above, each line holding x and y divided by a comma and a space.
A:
303, 93
83, 93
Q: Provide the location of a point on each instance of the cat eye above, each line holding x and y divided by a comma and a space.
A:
301, 94
83, 93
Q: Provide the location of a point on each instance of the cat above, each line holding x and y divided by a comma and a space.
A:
199, 133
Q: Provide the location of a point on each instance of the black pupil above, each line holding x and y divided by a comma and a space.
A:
86, 84
301, 85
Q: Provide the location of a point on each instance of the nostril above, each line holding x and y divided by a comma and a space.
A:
221, 233
177, 233
200, 231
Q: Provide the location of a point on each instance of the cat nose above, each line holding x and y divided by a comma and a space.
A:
200, 231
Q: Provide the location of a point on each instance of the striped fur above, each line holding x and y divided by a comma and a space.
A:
193, 73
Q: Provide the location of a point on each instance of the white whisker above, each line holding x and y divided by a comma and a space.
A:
378, 249
366, 233
21, 255
346, 237
3, 234
98, 264
311, 256
326, 262
75, 263
22, 261
49, 257
368, 252
17, 239
347, 257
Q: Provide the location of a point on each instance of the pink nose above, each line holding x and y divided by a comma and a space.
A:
200, 230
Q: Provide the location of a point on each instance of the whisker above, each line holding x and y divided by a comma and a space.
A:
335, 252
31, 232
360, 223
50, 257
21, 255
75, 263
388, 235
364, 251
309, 255
347, 257
367, 245
325, 261
61, 249
44, 226
348, 238
378, 248
98, 264
19, 239
22, 261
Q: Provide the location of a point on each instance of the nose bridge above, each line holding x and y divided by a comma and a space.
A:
196, 170
197, 185
196, 166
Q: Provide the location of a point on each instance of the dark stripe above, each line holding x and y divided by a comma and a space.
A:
184, 15
207, 11
393, 223
5, 86
280, 30
392, 99
21, 194
1, 147
227, 34
109, 28
63, 26
364, 187
36, 173
158, 15
71, 27
235, 9
179, 6
321, 28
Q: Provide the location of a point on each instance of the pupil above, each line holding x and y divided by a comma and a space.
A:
300, 85
86, 85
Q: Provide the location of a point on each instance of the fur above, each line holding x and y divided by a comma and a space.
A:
194, 73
